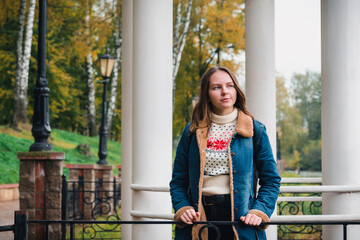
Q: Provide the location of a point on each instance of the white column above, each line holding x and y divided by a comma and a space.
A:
260, 69
126, 117
340, 34
152, 111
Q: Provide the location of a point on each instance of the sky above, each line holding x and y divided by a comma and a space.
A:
297, 36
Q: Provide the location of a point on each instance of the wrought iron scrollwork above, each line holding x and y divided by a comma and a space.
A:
210, 225
94, 200
300, 208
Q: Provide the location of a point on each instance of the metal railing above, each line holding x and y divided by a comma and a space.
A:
20, 228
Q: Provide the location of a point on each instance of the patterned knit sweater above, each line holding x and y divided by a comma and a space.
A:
216, 172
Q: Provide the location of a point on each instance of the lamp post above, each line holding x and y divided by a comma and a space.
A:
106, 66
41, 126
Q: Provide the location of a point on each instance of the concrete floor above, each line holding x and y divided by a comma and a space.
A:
7, 217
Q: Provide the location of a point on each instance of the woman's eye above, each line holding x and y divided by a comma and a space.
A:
230, 85
217, 87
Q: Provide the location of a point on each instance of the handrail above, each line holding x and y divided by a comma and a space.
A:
6, 228
323, 188
300, 199
301, 180
316, 218
139, 187
141, 214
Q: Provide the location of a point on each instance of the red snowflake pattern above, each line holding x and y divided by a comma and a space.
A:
217, 144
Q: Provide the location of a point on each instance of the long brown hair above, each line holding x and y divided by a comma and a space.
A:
201, 116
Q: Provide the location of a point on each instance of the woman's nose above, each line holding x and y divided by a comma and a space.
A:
225, 91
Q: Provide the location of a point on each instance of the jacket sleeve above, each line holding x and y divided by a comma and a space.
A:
179, 184
269, 179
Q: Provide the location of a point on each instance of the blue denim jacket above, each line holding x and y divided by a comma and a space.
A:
188, 176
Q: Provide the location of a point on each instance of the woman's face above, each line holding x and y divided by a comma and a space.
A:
222, 93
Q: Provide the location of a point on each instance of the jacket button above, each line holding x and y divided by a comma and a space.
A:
235, 191
234, 172
232, 154
235, 210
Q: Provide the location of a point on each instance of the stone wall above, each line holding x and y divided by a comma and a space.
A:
9, 192
40, 190
90, 173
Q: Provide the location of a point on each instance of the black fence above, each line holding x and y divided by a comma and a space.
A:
20, 228
88, 200
293, 208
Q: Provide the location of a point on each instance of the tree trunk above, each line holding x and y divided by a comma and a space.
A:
114, 80
16, 108
26, 62
91, 96
91, 111
180, 40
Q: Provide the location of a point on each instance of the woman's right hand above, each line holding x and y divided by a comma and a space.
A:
190, 216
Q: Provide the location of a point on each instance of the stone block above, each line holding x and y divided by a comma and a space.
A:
31, 231
73, 174
54, 167
53, 214
26, 184
31, 214
27, 200
89, 174
27, 168
55, 231
53, 184
53, 200
89, 186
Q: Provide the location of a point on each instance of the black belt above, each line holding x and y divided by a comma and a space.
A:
216, 199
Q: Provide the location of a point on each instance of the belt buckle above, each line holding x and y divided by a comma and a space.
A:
205, 203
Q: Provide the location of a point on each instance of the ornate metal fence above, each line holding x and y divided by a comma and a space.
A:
300, 203
20, 227
91, 200
310, 205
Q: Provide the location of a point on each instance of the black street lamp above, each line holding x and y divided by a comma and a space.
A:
106, 66
41, 126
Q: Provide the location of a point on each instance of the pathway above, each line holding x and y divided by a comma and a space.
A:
7, 217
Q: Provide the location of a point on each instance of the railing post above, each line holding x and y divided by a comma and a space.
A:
74, 197
64, 207
114, 194
21, 227
345, 231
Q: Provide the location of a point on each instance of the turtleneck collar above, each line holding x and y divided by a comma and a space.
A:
218, 119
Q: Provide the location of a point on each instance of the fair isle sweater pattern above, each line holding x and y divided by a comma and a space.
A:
217, 159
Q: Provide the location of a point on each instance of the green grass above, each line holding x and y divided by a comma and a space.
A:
12, 142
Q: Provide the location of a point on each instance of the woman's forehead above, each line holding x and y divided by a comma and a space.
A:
220, 77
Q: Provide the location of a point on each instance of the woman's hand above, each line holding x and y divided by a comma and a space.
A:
251, 219
190, 216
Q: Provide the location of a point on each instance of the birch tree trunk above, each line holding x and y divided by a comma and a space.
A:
180, 39
91, 117
114, 80
91, 96
16, 114
26, 61
91, 111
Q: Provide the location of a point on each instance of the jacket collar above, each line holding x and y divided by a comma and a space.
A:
244, 126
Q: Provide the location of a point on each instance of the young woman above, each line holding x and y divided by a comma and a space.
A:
213, 175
